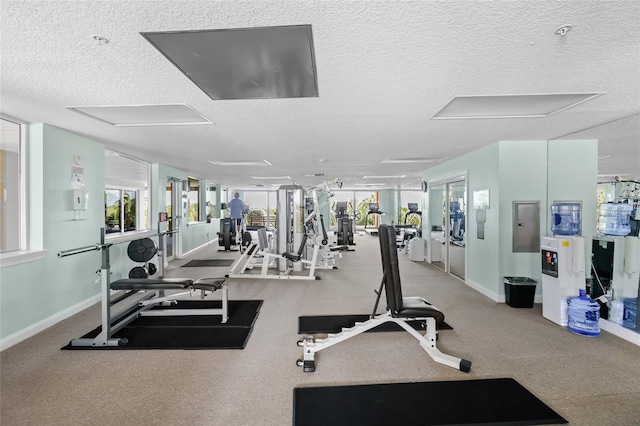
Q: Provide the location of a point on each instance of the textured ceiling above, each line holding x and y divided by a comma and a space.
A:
384, 69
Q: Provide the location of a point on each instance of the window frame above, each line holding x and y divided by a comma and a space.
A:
143, 197
199, 196
140, 226
28, 251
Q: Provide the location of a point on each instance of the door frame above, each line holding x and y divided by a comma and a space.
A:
446, 182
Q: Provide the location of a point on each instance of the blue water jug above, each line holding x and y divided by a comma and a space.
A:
629, 313
565, 218
583, 315
614, 219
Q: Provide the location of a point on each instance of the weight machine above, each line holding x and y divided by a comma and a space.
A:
257, 255
153, 301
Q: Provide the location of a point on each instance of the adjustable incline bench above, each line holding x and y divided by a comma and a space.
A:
400, 310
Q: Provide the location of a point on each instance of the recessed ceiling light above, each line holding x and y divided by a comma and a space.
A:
241, 163
271, 177
616, 174
315, 175
143, 115
511, 106
410, 160
244, 63
384, 177
370, 185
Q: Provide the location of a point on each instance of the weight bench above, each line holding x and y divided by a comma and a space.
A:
155, 298
160, 285
400, 310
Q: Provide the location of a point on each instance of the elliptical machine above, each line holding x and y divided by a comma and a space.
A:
228, 236
345, 225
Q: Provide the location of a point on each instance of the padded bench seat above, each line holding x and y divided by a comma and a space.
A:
152, 284
413, 307
162, 303
208, 284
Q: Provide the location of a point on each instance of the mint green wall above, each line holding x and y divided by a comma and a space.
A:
482, 256
34, 291
542, 171
573, 175
523, 177
36, 294
387, 201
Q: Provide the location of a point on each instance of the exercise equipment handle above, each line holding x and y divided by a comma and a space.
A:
79, 250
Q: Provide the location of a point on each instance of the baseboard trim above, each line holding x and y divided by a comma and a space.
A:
485, 291
620, 331
42, 325
192, 251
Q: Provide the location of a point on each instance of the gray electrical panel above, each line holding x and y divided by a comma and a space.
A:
526, 226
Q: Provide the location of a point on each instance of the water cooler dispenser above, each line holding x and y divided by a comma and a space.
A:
563, 258
562, 274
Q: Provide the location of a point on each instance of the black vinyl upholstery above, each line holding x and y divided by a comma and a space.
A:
207, 284
400, 307
295, 257
151, 284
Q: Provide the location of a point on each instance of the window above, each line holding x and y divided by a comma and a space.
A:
410, 197
126, 207
262, 207
193, 198
121, 210
12, 197
212, 207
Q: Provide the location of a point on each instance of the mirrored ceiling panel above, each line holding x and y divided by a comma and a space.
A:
244, 63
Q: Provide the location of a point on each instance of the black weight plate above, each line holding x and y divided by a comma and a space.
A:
142, 250
152, 268
138, 272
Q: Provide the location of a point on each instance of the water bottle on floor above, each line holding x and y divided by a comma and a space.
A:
583, 315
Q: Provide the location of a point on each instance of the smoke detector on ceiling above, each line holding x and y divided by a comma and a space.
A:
563, 30
100, 40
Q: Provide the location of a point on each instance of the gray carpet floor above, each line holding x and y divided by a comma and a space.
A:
588, 381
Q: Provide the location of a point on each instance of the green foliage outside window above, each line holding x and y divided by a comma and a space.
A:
193, 212
413, 219
115, 210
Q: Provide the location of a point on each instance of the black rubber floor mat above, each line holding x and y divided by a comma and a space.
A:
464, 402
